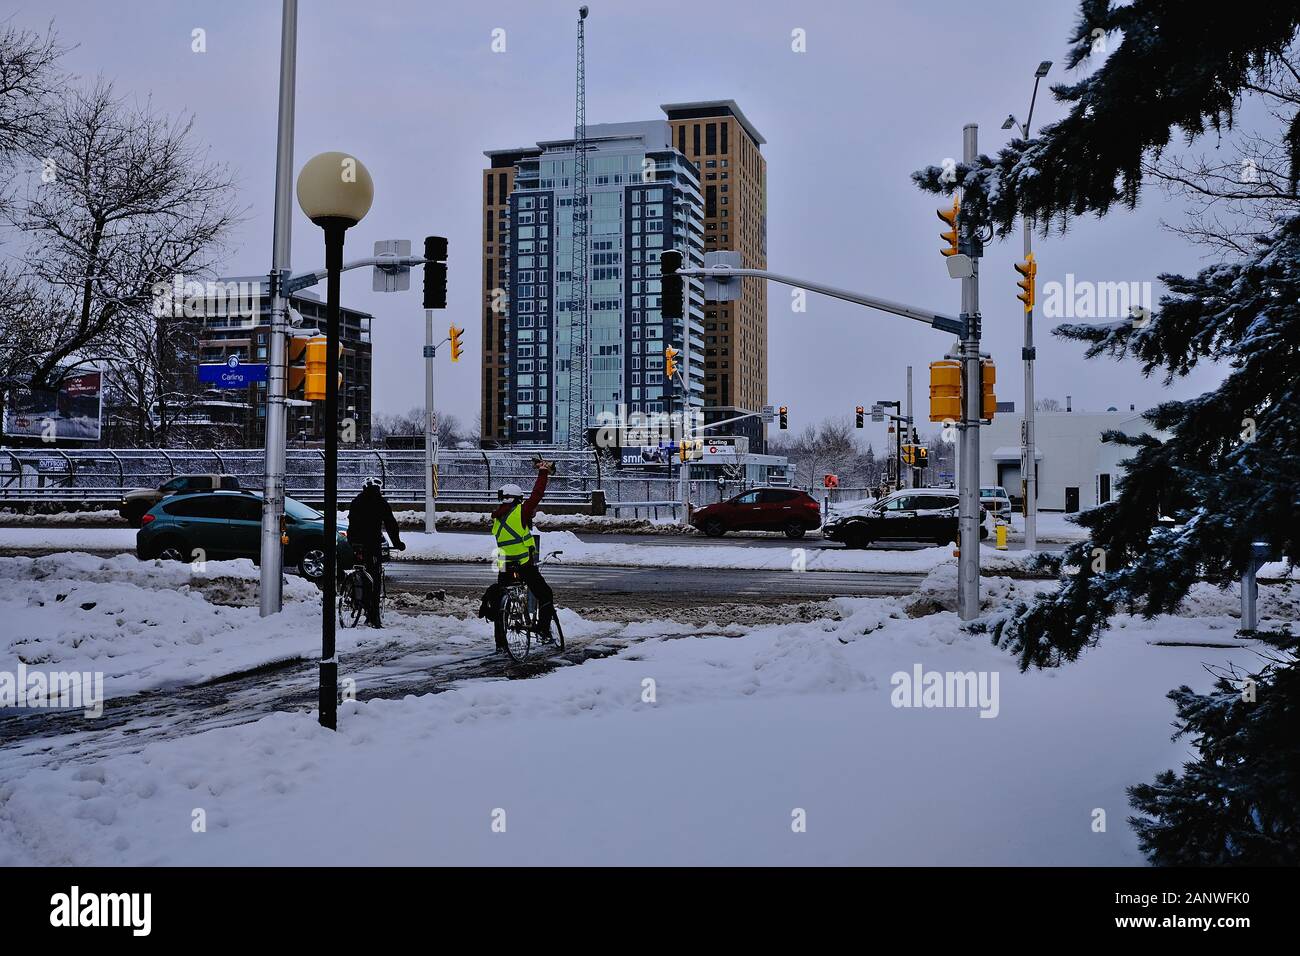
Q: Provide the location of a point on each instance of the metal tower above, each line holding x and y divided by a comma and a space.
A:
580, 300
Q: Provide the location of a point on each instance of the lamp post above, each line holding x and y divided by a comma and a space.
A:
335, 191
1029, 469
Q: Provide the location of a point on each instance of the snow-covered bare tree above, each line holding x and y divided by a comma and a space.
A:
29, 83
411, 423
1248, 182
120, 199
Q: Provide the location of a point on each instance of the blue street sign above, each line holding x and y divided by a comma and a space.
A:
231, 374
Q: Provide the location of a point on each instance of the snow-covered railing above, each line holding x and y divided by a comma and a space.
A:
55, 475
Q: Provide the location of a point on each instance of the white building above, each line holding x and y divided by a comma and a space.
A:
1076, 469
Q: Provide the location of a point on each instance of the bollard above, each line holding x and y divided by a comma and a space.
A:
1001, 532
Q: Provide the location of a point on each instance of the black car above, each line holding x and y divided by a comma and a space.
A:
912, 514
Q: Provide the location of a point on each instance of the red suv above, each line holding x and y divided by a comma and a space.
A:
761, 509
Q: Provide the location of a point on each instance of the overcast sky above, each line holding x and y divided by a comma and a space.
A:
414, 90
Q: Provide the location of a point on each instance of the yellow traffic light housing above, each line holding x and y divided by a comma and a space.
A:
945, 391
316, 349
313, 379
988, 401
859, 412
950, 216
670, 362
783, 412
1028, 269
454, 334
295, 349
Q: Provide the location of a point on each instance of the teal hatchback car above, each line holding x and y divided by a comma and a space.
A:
228, 524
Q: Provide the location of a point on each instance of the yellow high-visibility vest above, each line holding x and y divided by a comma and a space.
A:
515, 543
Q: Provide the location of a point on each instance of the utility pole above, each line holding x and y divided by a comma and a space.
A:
276, 392
911, 472
1029, 468
430, 428
968, 575
1028, 461
684, 467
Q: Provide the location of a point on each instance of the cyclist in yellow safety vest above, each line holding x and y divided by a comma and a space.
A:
512, 527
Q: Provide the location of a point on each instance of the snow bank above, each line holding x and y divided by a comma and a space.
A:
68, 539
676, 751
146, 625
107, 517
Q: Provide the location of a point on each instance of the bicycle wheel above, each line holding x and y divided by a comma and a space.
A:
512, 627
557, 631
350, 609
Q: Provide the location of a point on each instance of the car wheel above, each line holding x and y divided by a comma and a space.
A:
794, 530
714, 528
312, 563
170, 549
984, 533
857, 540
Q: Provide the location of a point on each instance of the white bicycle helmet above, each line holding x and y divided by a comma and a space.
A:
373, 483
510, 490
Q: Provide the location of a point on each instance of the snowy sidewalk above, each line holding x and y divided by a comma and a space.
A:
700, 751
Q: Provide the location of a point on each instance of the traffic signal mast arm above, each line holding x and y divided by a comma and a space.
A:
306, 280
938, 320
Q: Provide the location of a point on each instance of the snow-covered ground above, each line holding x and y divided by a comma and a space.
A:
148, 624
743, 739
82, 538
779, 744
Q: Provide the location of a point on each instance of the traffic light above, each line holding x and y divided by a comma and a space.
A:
909, 455
295, 349
950, 217
671, 285
435, 272
315, 377
945, 391
455, 334
988, 401
781, 413
860, 412
1028, 269
922, 456
691, 449
670, 362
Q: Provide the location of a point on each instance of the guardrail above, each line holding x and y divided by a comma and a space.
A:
465, 476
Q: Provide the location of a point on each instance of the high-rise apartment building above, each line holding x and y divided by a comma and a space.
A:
644, 197
717, 137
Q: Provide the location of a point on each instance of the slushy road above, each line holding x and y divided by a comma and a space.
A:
614, 585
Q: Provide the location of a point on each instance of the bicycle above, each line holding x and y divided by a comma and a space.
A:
357, 587
516, 620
